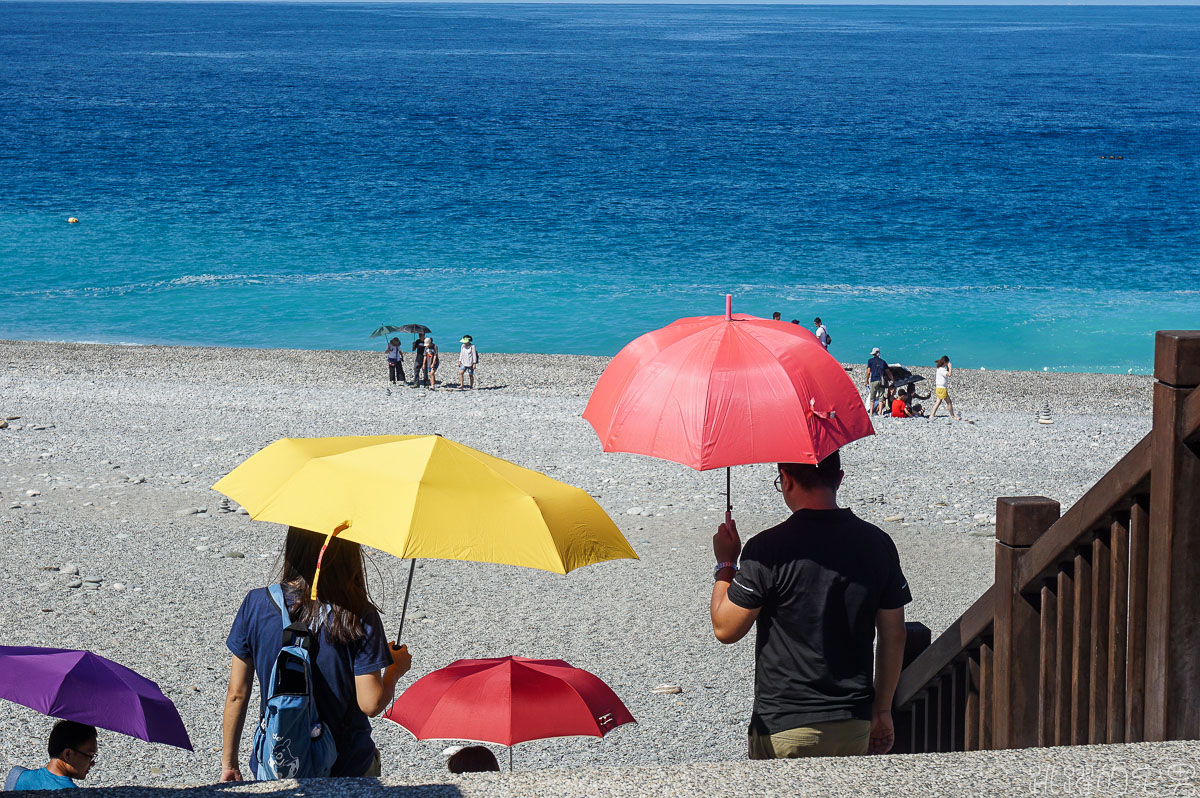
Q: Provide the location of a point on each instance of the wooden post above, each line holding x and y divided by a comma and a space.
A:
1020, 521
971, 724
1118, 626
1063, 627
1101, 634
1047, 667
986, 716
1173, 564
1135, 643
1081, 648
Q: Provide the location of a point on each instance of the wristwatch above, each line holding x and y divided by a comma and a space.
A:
719, 566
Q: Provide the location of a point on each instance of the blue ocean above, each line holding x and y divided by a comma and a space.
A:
1016, 187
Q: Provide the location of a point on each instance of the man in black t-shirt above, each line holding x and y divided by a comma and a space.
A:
819, 586
418, 348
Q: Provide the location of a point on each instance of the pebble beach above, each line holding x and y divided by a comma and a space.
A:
115, 543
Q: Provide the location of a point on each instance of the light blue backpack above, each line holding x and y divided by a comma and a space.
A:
291, 742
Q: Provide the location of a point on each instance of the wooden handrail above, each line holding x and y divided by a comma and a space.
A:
1089, 631
1191, 418
970, 626
1130, 476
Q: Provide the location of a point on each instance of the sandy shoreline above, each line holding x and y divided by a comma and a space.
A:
120, 441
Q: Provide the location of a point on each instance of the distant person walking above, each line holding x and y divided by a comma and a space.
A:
418, 348
821, 333
941, 387
468, 357
395, 359
877, 372
431, 362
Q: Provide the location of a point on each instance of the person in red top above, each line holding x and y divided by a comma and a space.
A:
900, 408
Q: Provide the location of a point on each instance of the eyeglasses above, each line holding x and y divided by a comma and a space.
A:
89, 757
779, 483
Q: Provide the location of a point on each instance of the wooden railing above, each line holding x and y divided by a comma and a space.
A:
1091, 631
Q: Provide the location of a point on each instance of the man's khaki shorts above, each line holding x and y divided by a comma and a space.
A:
831, 738
877, 391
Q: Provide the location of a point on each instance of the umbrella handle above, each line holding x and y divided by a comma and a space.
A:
412, 566
728, 495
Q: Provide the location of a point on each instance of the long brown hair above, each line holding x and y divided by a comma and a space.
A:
343, 584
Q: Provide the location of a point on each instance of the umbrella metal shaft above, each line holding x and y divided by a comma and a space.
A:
412, 566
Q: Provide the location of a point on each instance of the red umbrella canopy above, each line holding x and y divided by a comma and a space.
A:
508, 700
716, 391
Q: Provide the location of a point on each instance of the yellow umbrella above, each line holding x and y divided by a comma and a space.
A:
425, 496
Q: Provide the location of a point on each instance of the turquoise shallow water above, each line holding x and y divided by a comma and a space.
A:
562, 178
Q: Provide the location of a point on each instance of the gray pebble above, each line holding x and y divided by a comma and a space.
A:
234, 555
91, 585
75, 583
93, 579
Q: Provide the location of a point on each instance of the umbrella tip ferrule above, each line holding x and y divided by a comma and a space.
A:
729, 307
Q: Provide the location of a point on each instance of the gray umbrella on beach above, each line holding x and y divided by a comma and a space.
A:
909, 380
388, 329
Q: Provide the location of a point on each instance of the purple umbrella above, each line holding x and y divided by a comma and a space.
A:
80, 686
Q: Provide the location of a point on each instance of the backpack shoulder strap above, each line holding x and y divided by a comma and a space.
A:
295, 632
10, 781
276, 594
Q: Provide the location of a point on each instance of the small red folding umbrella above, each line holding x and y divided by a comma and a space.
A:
719, 391
508, 700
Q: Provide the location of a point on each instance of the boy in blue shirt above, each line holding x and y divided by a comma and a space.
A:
72, 750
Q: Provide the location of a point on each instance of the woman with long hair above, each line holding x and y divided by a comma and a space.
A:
355, 669
942, 387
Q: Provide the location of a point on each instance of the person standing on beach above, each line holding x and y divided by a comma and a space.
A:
418, 348
821, 333
468, 357
395, 359
819, 586
941, 387
431, 362
877, 372
356, 668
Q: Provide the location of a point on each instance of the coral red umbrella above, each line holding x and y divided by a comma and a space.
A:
718, 391
508, 700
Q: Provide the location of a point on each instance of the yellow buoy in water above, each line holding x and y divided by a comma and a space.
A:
72, 220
